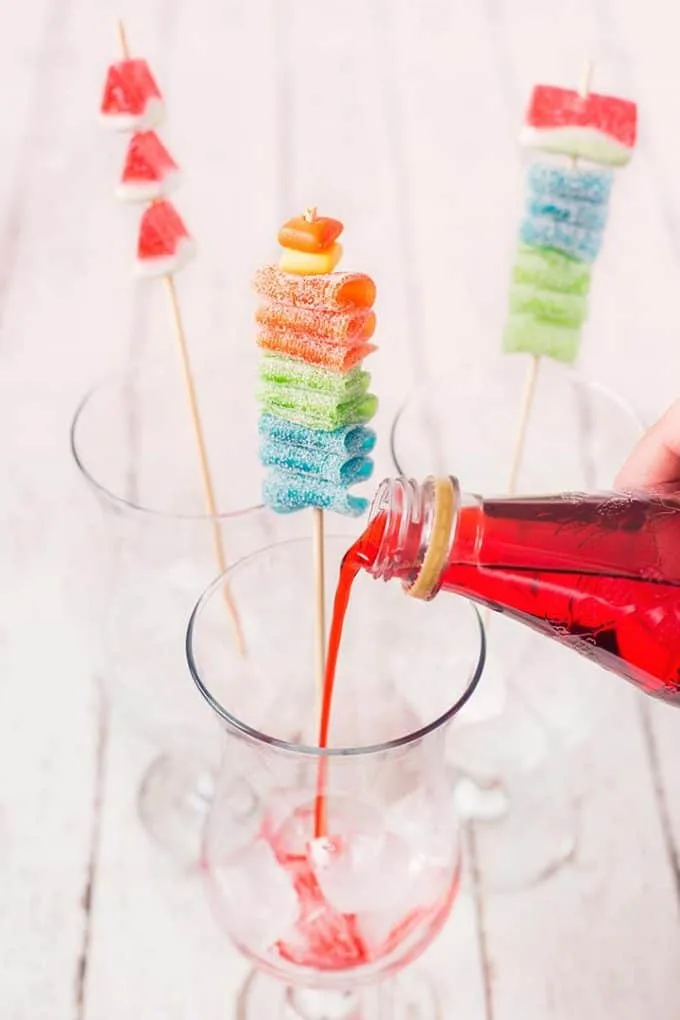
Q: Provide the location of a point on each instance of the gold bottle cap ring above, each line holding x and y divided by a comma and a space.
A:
438, 547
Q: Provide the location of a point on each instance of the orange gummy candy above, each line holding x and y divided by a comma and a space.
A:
332, 291
302, 234
335, 357
337, 327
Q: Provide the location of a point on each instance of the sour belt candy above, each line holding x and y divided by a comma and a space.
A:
313, 327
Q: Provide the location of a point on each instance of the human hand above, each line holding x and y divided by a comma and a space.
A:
655, 460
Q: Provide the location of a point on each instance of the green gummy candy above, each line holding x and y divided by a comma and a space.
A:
550, 270
318, 411
289, 372
549, 305
525, 334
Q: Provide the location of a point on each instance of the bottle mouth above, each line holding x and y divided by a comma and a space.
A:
445, 504
418, 522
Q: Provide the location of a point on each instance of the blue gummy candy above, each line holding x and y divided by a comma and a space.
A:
285, 493
351, 441
544, 232
571, 183
326, 465
586, 215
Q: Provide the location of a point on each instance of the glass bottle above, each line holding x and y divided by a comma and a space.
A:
598, 572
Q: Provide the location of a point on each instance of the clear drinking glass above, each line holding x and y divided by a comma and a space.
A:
131, 440
510, 749
327, 918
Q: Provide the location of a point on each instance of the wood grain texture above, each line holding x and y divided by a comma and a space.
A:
406, 130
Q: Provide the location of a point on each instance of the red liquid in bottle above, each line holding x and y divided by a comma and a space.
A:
601, 574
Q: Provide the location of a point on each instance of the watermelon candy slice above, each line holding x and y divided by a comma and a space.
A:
149, 171
164, 244
132, 100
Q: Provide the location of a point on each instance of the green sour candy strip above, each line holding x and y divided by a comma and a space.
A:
308, 410
289, 372
525, 334
550, 270
549, 305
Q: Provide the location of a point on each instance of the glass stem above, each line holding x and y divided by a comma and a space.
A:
322, 1004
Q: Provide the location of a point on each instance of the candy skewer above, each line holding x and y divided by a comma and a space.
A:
529, 393
197, 426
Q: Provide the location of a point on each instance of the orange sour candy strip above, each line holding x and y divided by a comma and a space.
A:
332, 291
335, 357
338, 327
315, 235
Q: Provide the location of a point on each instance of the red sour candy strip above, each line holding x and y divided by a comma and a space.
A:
335, 357
130, 87
332, 291
554, 107
338, 327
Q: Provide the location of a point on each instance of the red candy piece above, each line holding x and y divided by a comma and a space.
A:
597, 127
338, 327
164, 244
333, 291
302, 234
132, 100
149, 171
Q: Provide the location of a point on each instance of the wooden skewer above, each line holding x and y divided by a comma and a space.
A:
319, 573
190, 386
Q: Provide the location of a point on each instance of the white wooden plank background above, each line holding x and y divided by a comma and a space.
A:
401, 119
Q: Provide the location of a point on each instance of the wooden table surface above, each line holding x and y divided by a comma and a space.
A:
401, 118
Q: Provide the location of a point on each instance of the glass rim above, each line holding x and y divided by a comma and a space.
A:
308, 750
575, 375
122, 501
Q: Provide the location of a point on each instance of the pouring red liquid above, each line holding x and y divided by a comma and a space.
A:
599, 573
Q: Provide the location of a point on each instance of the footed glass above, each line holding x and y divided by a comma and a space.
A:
327, 917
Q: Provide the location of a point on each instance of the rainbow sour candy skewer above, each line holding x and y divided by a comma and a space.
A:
563, 225
313, 329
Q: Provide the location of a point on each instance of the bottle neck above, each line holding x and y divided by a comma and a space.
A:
416, 525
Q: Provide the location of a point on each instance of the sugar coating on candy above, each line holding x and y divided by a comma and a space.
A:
548, 269
352, 441
549, 305
149, 170
336, 326
164, 245
316, 410
292, 374
572, 182
586, 215
527, 335
336, 357
303, 234
600, 128
545, 232
132, 100
332, 291
285, 493
325, 464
